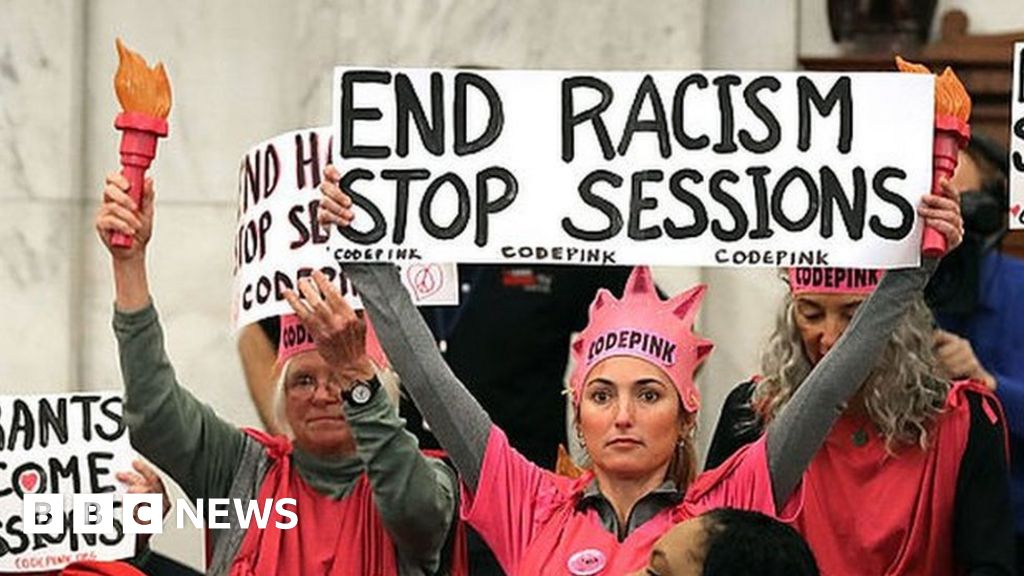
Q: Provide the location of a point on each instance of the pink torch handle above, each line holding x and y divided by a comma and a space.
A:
945, 157
138, 148
136, 176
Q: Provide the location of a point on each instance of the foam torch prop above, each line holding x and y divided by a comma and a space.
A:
145, 97
952, 132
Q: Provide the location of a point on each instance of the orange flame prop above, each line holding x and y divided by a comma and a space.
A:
145, 97
952, 132
140, 88
951, 98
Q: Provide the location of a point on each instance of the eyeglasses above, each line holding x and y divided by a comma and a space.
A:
303, 386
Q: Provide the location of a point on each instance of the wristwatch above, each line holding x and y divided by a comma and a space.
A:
361, 392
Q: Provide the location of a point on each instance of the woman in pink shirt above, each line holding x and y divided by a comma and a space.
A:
635, 401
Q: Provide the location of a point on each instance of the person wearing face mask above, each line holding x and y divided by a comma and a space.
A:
912, 479
977, 295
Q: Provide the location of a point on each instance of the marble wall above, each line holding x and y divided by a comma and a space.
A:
40, 166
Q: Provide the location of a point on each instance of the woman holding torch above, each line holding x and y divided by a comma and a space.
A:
366, 501
635, 403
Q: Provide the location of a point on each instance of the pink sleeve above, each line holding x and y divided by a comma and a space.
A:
513, 496
742, 482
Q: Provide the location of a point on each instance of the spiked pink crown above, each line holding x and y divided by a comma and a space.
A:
644, 326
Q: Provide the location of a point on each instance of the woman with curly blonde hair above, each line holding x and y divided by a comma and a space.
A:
912, 479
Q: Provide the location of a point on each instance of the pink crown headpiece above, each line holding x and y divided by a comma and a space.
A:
833, 280
644, 326
295, 339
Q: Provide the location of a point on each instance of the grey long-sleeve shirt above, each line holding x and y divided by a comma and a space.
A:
462, 426
210, 458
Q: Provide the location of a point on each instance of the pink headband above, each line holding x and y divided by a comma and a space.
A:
644, 326
833, 280
295, 339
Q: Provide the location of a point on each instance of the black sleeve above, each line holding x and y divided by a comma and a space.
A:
737, 426
983, 524
584, 282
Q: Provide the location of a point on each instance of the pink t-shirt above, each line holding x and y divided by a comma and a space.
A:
529, 516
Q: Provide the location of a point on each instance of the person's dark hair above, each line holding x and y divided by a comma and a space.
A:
985, 214
271, 329
744, 543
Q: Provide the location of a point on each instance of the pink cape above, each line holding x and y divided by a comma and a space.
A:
529, 517
343, 537
870, 512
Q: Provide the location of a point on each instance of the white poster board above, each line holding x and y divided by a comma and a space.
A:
60, 444
279, 240
1017, 140
702, 168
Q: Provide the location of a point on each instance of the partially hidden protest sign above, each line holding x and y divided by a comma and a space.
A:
60, 444
661, 168
1017, 140
278, 239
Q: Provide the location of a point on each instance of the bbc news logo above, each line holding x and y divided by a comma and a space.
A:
144, 513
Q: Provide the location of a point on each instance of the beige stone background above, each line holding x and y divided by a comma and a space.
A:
243, 71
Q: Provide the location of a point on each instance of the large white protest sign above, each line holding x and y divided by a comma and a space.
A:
674, 168
279, 240
1017, 140
60, 445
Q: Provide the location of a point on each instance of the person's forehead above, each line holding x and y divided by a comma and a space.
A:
830, 300
626, 370
308, 360
683, 546
686, 529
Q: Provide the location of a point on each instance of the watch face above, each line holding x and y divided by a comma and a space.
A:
361, 393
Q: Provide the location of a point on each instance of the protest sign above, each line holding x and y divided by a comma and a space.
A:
1017, 140
279, 240
60, 444
662, 168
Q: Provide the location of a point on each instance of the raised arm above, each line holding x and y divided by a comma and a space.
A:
457, 420
167, 424
796, 434
415, 495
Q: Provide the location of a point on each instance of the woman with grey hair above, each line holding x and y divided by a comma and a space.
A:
346, 493
912, 479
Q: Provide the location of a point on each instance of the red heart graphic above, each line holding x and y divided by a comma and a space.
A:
425, 280
1015, 210
29, 481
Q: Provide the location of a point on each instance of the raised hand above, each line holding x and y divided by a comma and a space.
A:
942, 212
335, 205
119, 213
339, 333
